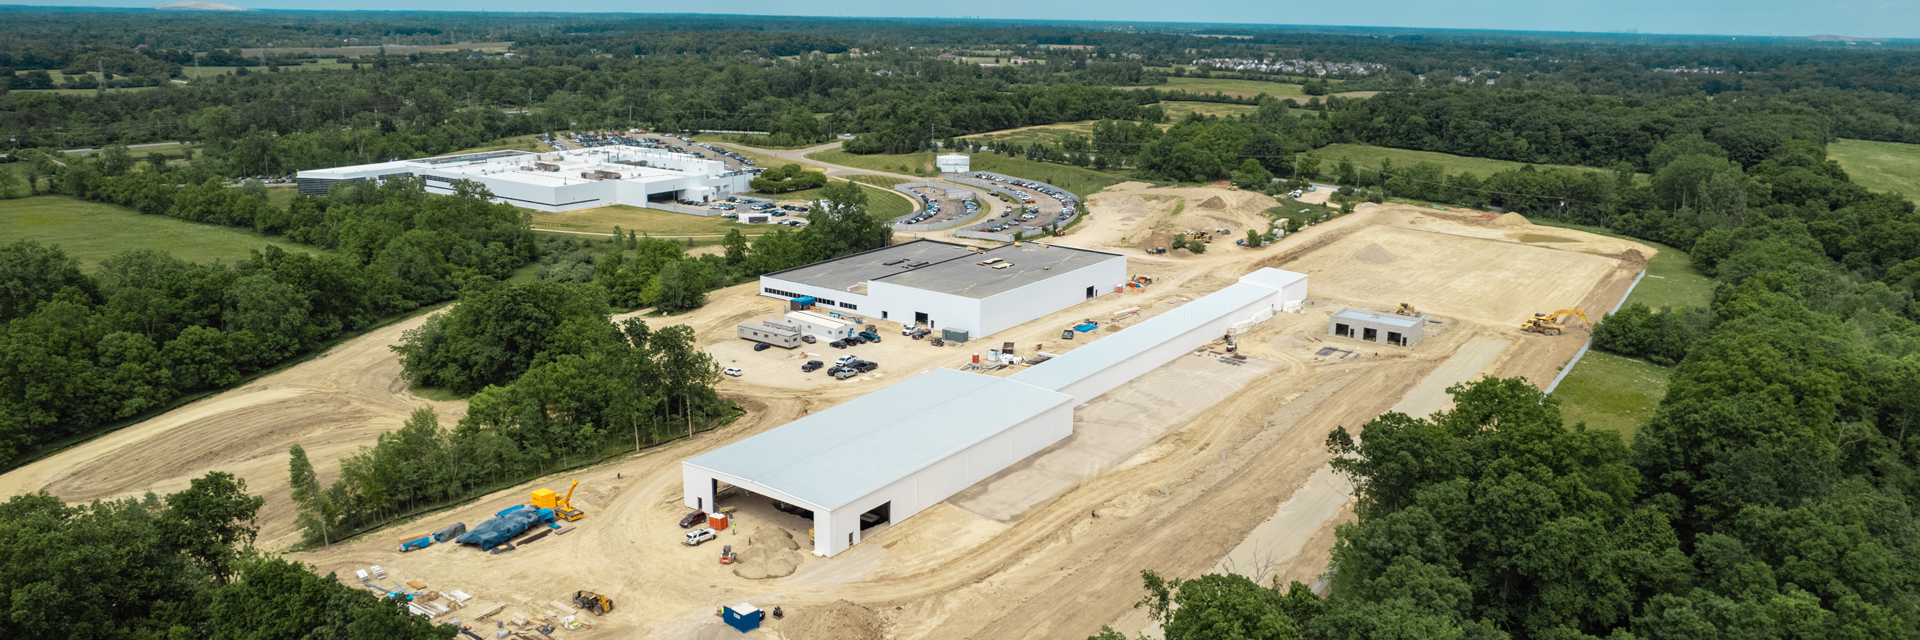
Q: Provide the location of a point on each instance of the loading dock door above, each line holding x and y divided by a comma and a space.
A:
877, 516
1342, 330
1370, 334
1393, 338
919, 317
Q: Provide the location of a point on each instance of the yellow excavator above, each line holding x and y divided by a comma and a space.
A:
1549, 323
562, 507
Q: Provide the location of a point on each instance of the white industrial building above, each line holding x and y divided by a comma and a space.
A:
558, 181
953, 163
942, 285
892, 453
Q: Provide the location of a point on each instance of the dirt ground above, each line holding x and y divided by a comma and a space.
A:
1040, 565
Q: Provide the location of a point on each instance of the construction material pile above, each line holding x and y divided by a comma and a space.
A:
1373, 253
1511, 220
771, 553
841, 620
491, 533
1213, 203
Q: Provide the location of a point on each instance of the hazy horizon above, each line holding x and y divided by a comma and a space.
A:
1863, 19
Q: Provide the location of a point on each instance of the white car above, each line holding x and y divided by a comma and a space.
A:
697, 536
907, 329
734, 371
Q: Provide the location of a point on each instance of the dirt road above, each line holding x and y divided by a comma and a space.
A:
1180, 501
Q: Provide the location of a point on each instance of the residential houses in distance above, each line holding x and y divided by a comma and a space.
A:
1303, 67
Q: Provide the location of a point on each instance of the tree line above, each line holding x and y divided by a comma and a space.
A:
179, 566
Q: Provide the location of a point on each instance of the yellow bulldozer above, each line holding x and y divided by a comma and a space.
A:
598, 604
1407, 310
562, 507
1549, 323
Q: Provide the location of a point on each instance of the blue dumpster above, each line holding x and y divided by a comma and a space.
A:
743, 617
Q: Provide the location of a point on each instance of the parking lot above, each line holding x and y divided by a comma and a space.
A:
791, 214
1038, 207
640, 138
939, 205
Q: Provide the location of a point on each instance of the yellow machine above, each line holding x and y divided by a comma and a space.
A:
562, 507
1407, 310
1549, 323
598, 604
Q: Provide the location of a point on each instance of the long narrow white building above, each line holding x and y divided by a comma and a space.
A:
882, 457
558, 181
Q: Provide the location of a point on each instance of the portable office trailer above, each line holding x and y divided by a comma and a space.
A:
768, 332
821, 325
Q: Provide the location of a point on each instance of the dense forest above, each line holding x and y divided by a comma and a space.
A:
1771, 496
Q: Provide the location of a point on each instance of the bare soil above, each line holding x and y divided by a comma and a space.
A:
1177, 503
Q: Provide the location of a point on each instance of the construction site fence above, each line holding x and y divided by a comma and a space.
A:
1589, 344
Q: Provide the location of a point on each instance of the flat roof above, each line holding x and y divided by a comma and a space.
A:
839, 455
1107, 352
952, 268
1394, 319
843, 272
1032, 262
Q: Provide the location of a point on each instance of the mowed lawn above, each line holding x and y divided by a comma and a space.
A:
1671, 279
1074, 179
1237, 88
1370, 156
1177, 110
92, 231
653, 222
1612, 392
1880, 166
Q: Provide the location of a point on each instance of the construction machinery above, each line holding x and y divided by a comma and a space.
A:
411, 544
1407, 310
1549, 323
726, 554
562, 507
600, 605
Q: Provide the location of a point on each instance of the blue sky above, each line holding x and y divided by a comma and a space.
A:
1860, 18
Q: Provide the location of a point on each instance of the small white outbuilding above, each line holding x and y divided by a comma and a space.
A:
953, 163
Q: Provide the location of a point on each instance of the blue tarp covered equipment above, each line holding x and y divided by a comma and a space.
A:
491, 533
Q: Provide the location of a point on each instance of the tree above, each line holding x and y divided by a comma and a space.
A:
212, 521
1251, 175
315, 510
31, 273
736, 244
10, 185
116, 161
843, 225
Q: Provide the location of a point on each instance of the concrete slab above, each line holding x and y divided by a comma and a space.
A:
1108, 430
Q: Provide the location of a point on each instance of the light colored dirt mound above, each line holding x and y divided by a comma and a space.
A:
841, 620
1156, 240
1373, 253
1180, 253
1129, 186
1511, 219
773, 538
1213, 203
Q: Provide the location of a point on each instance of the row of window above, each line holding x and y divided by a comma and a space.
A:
821, 301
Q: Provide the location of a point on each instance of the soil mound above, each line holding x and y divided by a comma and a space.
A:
1373, 253
1180, 253
770, 553
841, 620
1213, 203
1511, 219
1156, 240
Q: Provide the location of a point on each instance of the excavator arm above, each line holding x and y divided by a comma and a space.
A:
1583, 317
568, 501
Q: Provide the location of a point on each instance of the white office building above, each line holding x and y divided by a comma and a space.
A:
953, 163
942, 285
558, 181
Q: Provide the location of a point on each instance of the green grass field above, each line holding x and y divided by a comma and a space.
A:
1370, 156
1075, 179
1238, 88
516, 142
877, 180
1671, 279
1880, 166
91, 231
646, 221
1044, 134
1612, 392
1176, 110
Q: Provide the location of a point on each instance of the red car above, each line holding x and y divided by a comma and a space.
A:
692, 519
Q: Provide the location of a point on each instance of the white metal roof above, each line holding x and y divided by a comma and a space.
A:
1112, 350
1351, 313
834, 457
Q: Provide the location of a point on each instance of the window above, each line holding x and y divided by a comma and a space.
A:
780, 293
845, 305
823, 302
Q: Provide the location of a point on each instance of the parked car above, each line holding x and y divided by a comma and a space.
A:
842, 374
838, 344
812, 366
694, 538
869, 336
691, 519
808, 339
907, 329
735, 371
761, 346
864, 366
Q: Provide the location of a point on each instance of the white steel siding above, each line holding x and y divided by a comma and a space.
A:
1013, 308
945, 310
1105, 380
939, 481
860, 302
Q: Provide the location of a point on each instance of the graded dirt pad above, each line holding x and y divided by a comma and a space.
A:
1124, 215
1178, 505
1486, 281
1373, 253
840, 620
